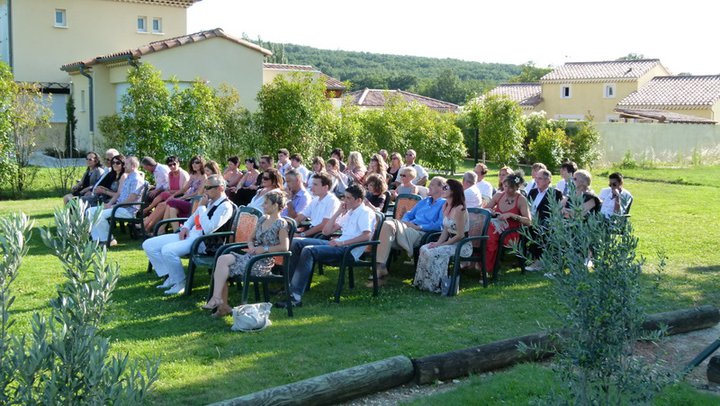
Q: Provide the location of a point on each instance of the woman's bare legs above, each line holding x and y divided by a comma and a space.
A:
220, 277
154, 217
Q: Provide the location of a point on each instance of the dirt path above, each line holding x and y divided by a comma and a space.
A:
676, 350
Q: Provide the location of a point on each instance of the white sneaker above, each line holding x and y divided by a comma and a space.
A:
166, 285
177, 289
534, 267
549, 275
589, 263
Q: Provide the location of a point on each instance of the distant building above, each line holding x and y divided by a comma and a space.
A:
210, 55
377, 98
334, 88
527, 95
689, 99
578, 89
38, 36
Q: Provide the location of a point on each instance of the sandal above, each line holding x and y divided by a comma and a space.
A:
222, 311
213, 303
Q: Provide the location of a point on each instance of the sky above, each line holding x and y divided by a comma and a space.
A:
548, 33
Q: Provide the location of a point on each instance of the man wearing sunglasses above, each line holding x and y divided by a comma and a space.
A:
164, 251
615, 199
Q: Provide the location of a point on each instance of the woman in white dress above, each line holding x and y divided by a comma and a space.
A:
434, 257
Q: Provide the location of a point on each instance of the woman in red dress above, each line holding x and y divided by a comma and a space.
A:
510, 209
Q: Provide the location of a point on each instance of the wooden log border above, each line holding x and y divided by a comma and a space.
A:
382, 375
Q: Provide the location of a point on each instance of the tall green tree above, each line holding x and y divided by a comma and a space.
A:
70, 146
500, 122
529, 73
584, 143
8, 90
448, 87
292, 113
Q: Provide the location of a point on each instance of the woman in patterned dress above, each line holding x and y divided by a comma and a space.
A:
271, 235
434, 257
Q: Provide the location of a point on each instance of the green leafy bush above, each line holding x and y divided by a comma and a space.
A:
65, 360
550, 147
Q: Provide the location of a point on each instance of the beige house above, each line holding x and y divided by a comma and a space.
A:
38, 36
578, 89
676, 99
210, 55
376, 99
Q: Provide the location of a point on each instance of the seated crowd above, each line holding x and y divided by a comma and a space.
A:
335, 205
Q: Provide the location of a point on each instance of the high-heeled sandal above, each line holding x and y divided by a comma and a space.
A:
212, 303
221, 311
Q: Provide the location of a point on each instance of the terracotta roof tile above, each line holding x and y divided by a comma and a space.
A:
616, 70
663, 116
175, 3
675, 91
162, 45
526, 94
378, 98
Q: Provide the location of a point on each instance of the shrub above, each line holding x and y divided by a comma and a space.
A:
600, 308
550, 147
65, 360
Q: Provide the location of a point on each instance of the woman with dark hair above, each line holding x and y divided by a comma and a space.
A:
110, 184
434, 257
376, 188
243, 191
271, 235
271, 180
177, 177
510, 210
232, 173
180, 201
92, 174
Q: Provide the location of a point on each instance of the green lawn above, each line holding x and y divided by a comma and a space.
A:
203, 361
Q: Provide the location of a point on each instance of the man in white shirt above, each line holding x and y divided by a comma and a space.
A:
357, 222
615, 199
296, 163
283, 163
160, 173
473, 197
164, 251
535, 168
486, 189
422, 175
321, 208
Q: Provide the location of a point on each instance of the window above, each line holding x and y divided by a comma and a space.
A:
609, 92
565, 92
157, 25
142, 24
82, 100
60, 18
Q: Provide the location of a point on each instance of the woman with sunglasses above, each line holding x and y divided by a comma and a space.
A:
406, 187
177, 177
271, 235
434, 257
92, 174
246, 187
271, 180
111, 183
192, 187
394, 170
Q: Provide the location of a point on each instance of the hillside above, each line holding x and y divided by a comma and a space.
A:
451, 80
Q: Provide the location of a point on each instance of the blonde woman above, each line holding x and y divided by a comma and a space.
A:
356, 168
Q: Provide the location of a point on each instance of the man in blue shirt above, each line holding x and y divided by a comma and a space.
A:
407, 233
299, 196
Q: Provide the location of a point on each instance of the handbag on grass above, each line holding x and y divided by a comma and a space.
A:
251, 317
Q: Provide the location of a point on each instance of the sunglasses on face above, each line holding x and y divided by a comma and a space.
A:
265, 178
209, 187
196, 162
89, 159
172, 164
403, 176
116, 163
